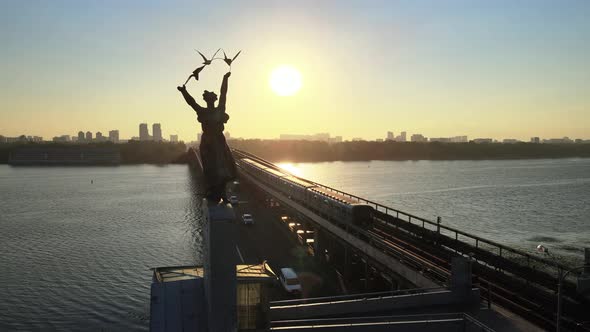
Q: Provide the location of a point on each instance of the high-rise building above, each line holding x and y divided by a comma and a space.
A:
144, 134
390, 136
535, 140
80, 136
89, 136
99, 137
418, 138
174, 138
157, 132
114, 136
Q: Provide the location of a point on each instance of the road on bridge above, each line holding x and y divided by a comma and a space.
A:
270, 239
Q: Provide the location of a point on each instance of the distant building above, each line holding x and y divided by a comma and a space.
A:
74, 138
459, 139
390, 136
62, 138
144, 134
157, 132
455, 139
325, 137
174, 138
114, 136
401, 137
357, 139
418, 138
535, 140
440, 139
99, 137
80, 136
336, 139
227, 135
199, 137
565, 140
2, 139
483, 140
134, 138
89, 136
510, 141
379, 140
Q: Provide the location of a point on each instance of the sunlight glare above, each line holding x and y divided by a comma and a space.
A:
291, 169
285, 80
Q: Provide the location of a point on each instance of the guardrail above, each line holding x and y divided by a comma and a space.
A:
330, 299
459, 235
424, 319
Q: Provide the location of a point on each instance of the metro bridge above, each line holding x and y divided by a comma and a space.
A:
418, 251
398, 271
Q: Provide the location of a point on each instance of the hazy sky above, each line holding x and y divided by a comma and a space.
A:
502, 69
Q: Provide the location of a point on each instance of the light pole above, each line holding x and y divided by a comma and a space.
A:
560, 279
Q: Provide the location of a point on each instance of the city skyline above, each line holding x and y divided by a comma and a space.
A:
404, 136
501, 69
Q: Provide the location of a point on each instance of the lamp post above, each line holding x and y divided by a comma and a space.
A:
560, 279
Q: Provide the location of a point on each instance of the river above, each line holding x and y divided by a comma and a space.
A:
78, 242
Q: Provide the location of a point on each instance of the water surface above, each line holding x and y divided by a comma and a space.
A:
520, 203
76, 255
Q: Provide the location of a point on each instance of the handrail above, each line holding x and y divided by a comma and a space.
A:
356, 296
390, 210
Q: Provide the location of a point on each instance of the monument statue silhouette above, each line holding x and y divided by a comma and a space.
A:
219, 166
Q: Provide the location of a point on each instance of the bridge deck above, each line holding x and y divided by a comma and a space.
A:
521, 282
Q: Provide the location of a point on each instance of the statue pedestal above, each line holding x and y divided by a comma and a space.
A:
219, 263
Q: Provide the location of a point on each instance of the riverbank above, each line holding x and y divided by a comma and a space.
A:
315, 151
93, 154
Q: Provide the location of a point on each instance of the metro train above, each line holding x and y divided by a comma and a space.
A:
325, 202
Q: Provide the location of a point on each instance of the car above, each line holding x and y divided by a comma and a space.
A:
247, 219
234, 199
289, 280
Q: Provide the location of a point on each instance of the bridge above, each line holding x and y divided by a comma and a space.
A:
410, 251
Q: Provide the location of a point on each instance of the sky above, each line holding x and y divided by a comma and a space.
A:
500, 69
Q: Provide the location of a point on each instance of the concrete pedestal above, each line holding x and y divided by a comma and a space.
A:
219, 264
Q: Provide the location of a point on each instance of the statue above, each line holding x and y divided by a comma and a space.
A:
219, 166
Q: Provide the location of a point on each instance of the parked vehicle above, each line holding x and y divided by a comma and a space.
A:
289, 281
247, 219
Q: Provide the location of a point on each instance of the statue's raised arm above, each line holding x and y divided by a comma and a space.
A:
223, 92
189, 99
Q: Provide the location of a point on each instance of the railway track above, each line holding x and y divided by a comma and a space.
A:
520, 289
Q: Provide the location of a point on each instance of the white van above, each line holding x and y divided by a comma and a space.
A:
289, 280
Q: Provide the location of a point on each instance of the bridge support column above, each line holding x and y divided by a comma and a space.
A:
584, 278
219, 265
461, 278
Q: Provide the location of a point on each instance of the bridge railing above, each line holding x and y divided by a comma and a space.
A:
337, 298
496, 248
501, 250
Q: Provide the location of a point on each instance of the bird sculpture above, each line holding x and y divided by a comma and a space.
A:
230, 60
208, 61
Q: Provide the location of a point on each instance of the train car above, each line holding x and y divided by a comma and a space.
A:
340, 207
334, 205
296, 188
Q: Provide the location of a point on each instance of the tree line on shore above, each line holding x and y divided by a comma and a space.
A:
317, 151
133, 152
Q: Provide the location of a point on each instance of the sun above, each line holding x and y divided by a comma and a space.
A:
285, 80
